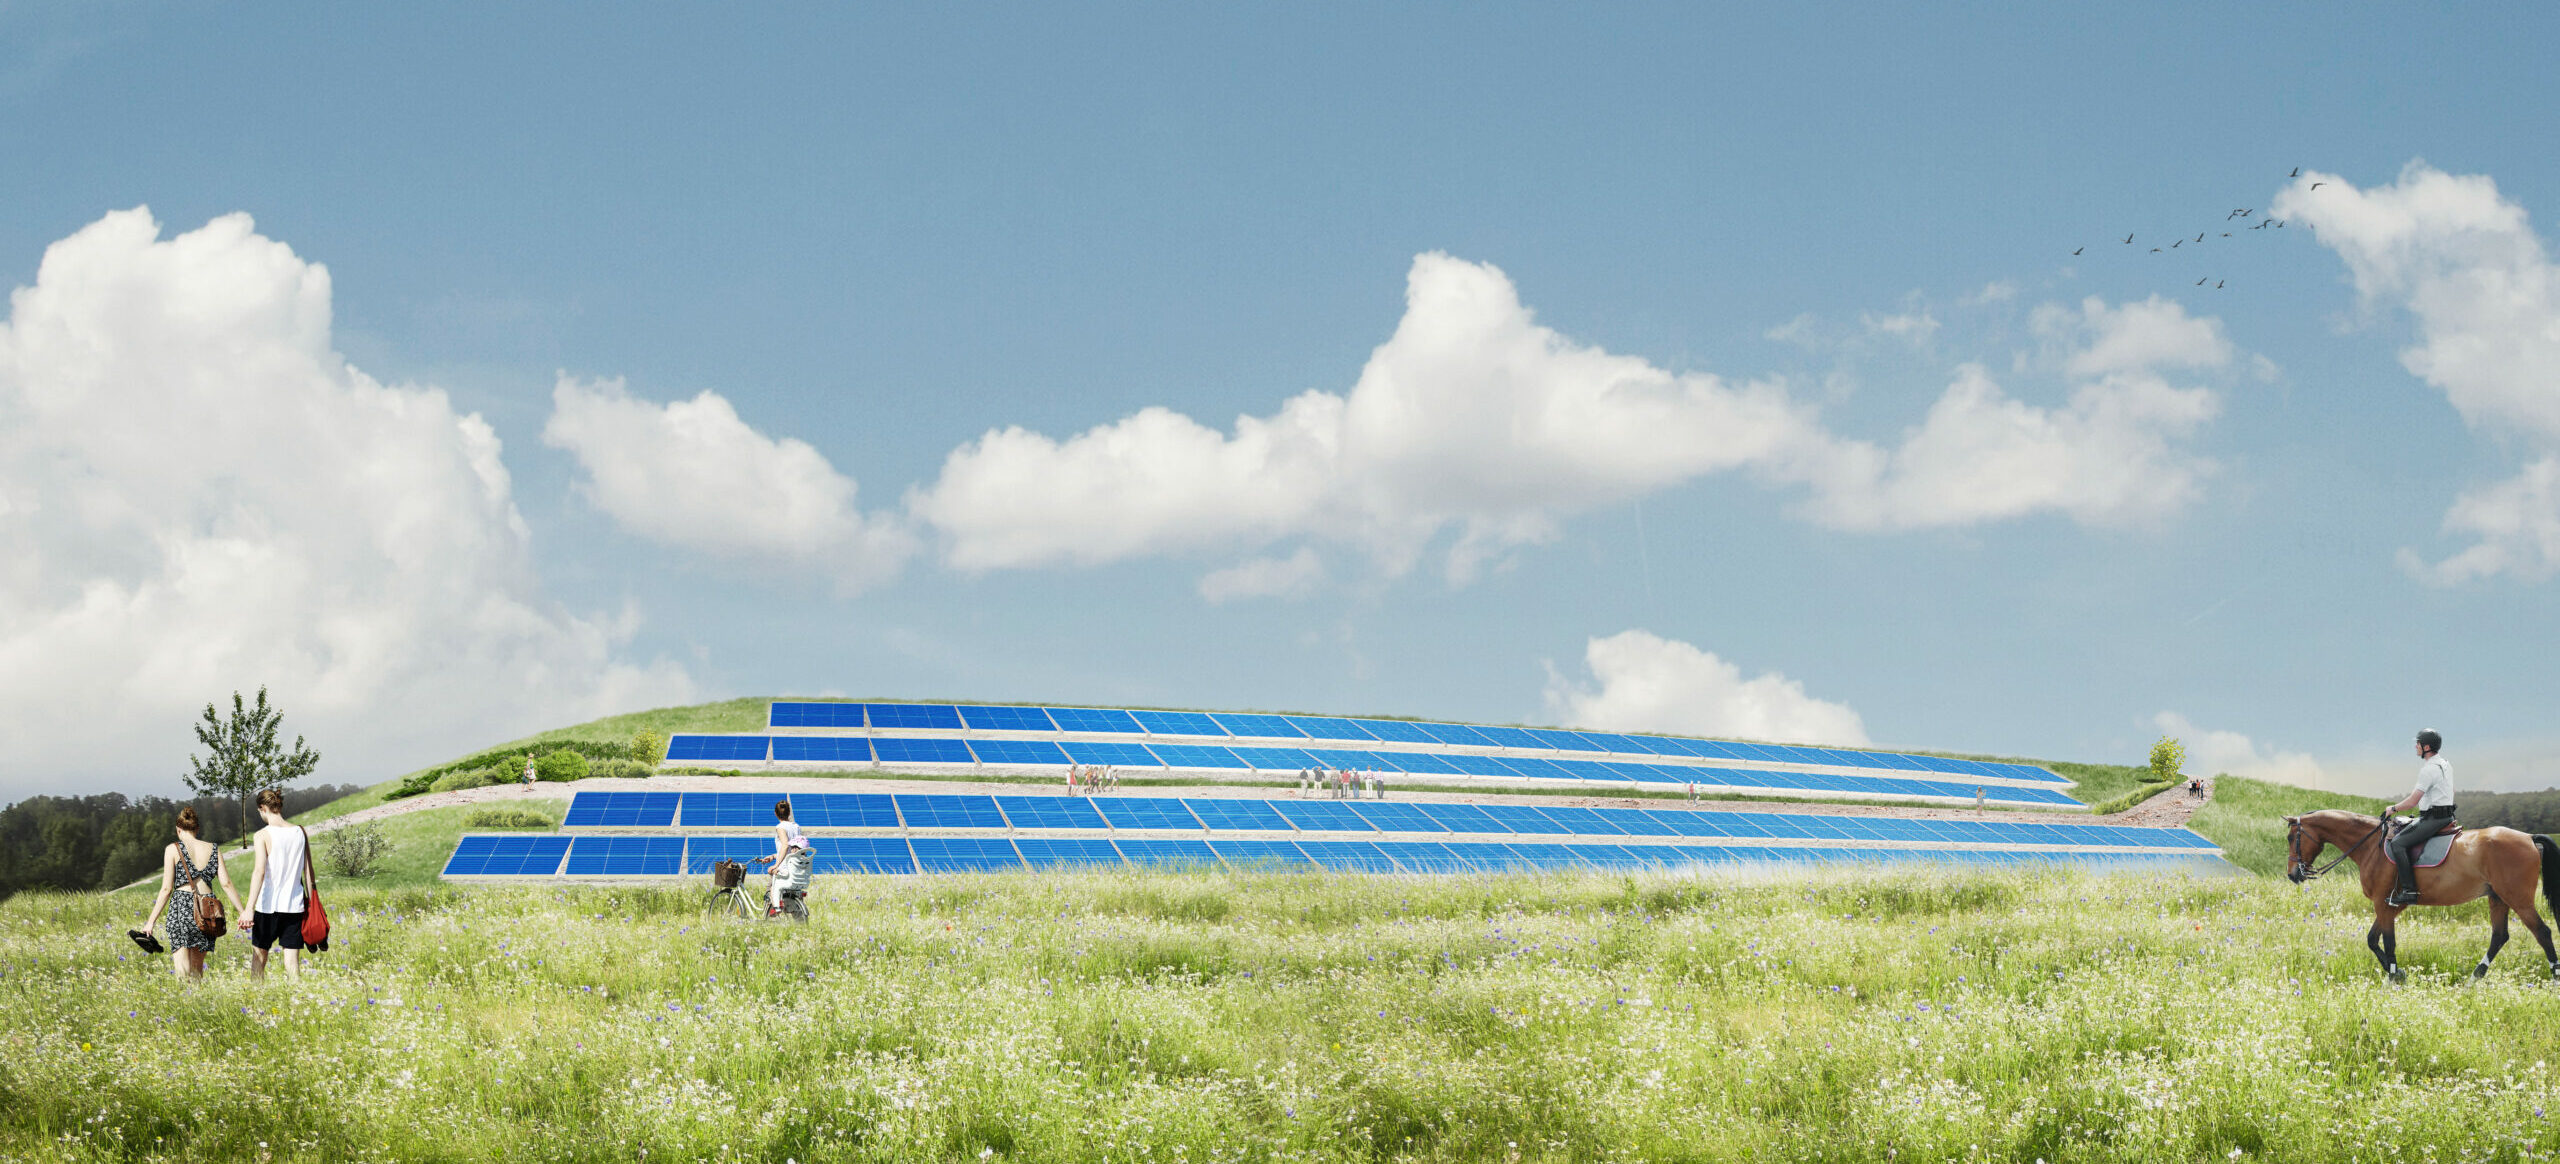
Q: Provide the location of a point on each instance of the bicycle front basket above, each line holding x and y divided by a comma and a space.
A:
727, 874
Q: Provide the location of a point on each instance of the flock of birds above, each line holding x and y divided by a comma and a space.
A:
2237, 214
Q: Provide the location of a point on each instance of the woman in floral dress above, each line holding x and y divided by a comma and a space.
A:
186, 867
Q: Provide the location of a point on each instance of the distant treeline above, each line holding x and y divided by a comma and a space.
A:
103, 841
2532, 812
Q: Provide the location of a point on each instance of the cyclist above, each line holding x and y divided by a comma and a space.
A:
790, 857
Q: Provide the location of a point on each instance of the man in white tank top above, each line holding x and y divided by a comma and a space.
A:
276, 888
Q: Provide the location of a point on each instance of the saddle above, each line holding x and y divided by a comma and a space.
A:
2433, 852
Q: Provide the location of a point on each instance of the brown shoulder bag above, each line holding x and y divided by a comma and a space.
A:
210, 920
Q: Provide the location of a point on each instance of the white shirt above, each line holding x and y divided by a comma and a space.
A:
281, 892
2435, 783
786, 837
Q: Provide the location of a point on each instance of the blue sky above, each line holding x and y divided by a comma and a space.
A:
1803, 383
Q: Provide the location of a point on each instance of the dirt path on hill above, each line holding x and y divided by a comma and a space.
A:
2170, 809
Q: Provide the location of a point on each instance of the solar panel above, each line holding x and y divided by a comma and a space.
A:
1736, 824
1455, 733
844, 810
1581, 821
1521, 818
1116, 755
1535, 769
1319, 727
1236, 815
1275, 759
1323, 816
949, 812
1195, 756
861, 855
1343, 758
1512, 737
1534, 856
1094, 720
1563, 741
730, 748
1178, 723
630, 810
896, 751
965, 854
1051, 812
1422, 856
1894, 760
727, 810
821, 749
1655, 745
1006, 719
1481, 856
1480, 765
1395, 729
1259, 856
516, 856
1709, 749
1397, 818
1023, 753
1684, 823
908, 717
1146, 812
701, 852
626, 857
1461, 818
1638, 773
1633, 822
1348, 856
814, 715
1422, 762
1160, 853
1270, 727
1067, 852
1610, 742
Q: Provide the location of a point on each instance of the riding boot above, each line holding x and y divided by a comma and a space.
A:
2407, 893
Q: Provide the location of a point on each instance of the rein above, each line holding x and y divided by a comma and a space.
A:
2344, 851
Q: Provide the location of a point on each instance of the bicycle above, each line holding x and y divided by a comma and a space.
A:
729, 896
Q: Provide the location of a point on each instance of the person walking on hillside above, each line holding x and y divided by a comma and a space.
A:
187, 868
2433, 799
277, 887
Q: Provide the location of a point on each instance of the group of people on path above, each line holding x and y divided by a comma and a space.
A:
280, 889
1089, 779
1342, 783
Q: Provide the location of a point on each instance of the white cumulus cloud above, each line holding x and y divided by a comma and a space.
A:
1640, 681
199, 494
2465, 263
691, 474
1288, 577
1475, 422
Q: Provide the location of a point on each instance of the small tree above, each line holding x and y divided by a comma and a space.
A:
356, 850
243, 758
2167, 757
648, 747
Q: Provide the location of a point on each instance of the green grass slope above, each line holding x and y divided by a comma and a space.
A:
1828, 1015
2246, 818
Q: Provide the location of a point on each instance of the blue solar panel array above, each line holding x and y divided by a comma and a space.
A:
1330, 730
507, 857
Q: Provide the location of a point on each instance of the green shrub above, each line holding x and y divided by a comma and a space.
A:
647, 748
561, 765
509, 818
470, 778
354, 850
622, 768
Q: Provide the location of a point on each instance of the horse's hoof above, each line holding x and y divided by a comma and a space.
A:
2399, 977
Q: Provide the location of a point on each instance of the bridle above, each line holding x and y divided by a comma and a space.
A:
2299, 870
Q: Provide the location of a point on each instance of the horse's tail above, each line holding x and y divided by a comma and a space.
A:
2550, 876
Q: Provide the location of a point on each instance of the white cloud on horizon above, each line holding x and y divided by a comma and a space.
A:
2214, 752
201, 495
693, 475
2466, 265
1641, 681
1473, 420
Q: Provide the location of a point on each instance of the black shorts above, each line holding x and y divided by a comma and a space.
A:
273, 929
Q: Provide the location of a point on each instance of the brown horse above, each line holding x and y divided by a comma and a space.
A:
2500, 862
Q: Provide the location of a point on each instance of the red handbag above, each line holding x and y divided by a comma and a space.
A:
315, 920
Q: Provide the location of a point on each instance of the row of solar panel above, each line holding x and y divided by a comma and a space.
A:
867, 810
1035, 753
1215, 725
522, 856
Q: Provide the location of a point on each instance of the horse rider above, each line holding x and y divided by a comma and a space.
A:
2433, 798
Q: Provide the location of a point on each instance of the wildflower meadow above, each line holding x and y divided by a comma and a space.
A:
1815, 1015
